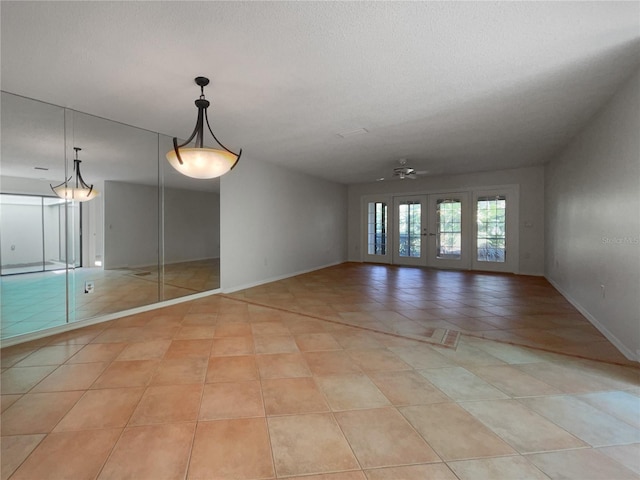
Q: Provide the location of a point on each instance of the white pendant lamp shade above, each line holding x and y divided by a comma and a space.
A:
202, 162
77, 194
198, 161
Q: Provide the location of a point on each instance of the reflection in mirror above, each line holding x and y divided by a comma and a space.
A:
33, 248
120, 228
151, 235
191, 226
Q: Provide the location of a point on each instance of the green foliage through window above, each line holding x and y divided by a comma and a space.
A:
492, 235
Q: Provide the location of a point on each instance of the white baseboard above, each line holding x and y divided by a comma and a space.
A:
275, 279
630, 355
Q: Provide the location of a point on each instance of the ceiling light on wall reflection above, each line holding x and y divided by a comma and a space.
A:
199, 161
78, 190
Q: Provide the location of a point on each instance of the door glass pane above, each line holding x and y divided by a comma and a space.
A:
58, 214
410, 227
53, 222
377, 228
491, 220
449, 233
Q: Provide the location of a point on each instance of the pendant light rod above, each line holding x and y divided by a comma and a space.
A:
80, 183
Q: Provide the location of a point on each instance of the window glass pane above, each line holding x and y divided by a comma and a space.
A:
377, 228
449, 229
491, 219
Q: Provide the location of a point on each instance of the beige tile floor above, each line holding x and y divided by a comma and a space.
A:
223, 388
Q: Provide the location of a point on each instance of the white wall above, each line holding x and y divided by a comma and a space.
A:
531, 214
593, 220
130, 225
191, 225
276, 223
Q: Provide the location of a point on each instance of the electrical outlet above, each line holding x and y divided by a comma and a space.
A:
89, 287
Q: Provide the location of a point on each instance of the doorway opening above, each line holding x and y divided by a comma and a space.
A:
34, 230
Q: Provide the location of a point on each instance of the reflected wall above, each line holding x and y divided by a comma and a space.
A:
151, 235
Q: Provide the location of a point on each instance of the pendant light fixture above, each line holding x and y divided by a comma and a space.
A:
80, 192
199, 161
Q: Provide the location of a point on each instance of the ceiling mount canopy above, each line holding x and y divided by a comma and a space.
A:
200, 161
80, 192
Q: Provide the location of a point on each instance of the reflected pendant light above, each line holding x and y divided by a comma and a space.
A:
80, 192
199, 161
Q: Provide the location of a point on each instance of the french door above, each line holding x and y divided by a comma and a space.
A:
410, 230
459, 230
432, 230
449, 231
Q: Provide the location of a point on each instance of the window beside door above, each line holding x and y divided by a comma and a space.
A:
491, 240
377, 228
449, 229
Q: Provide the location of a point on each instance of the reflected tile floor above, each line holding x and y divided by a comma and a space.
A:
223, 388
115, 291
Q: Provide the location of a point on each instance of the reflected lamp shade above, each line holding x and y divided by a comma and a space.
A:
199, 161
74, 193
79, 190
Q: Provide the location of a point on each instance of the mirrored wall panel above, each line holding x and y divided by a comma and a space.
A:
191, 227
150, 235
33, 221
120, 227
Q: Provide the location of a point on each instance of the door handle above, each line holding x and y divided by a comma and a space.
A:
432, 234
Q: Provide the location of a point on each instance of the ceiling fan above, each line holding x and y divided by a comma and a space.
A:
405, 171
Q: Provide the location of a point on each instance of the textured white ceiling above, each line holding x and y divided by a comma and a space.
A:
451, 86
